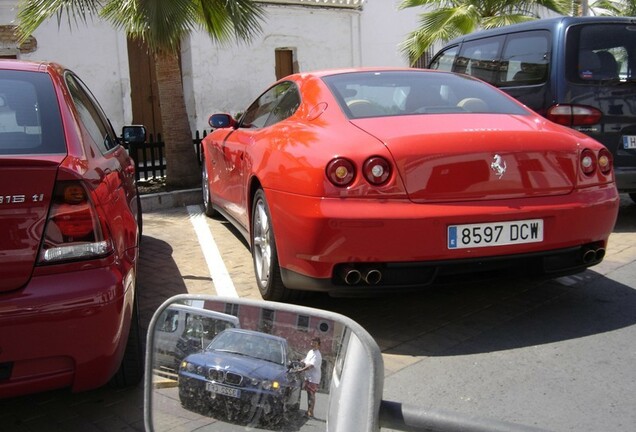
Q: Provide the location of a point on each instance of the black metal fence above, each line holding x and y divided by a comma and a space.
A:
150, 157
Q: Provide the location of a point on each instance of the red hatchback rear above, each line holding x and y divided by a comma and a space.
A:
69, 213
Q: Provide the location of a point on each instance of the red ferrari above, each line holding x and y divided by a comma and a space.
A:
69, 243
361, 180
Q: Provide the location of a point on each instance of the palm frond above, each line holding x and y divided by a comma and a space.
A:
32, 13
222, 19
438, 25
437, 4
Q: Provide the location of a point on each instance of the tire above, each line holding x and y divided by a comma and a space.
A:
264, 254
131, 369
140, 219
186, 401
633, 196
205, 188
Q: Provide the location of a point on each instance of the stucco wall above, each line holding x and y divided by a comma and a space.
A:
383, 28
227, 78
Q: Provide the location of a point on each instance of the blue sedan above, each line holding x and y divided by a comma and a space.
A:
241, 375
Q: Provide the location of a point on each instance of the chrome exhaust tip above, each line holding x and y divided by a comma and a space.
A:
351, 276
589, 256
373, 277
600, 254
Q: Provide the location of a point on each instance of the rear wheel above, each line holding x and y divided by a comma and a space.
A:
264, 253
205, 188
131, 369
140, 220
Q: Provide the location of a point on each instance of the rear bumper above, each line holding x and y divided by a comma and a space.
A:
316, 237
65, 330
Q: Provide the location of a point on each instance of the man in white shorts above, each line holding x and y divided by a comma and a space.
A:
312, 363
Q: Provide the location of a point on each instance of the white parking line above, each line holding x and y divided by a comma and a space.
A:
220, 276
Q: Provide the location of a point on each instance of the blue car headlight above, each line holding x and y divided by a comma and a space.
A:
270, 385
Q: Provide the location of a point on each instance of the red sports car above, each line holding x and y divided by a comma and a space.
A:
70, 219
360, 180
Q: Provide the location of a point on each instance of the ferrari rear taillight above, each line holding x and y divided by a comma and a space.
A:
588, 162
341, 171
73, 230
605, 161
377, 170
574, 115
591, 161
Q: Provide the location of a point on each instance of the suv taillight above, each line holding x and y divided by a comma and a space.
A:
73, 230
574, 115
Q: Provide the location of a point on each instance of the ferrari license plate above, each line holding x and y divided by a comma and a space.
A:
495, 234
629, 141
223, 390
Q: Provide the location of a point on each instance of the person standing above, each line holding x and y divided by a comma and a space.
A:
312, 366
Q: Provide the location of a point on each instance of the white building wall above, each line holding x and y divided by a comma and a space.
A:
383, 29
227, 78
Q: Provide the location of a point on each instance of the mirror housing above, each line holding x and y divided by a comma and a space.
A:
355, 380
219, 121
133, 134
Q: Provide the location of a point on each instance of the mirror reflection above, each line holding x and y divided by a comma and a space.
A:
220, 365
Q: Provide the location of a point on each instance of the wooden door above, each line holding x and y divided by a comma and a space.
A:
143, 87
284, 62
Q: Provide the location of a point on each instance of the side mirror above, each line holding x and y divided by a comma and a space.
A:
133, 135
244, 378
218, 121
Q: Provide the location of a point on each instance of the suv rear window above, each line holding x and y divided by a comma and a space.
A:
30, 121
600, 53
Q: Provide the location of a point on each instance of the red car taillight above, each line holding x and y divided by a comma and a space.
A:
574, 115
590, 162
73, 230
341, 171
377, 170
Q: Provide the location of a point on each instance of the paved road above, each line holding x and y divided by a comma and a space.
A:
558, 354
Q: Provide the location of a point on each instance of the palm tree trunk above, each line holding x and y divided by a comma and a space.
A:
182, 170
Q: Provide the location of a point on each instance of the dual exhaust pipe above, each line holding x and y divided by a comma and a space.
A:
593, 255
353, 276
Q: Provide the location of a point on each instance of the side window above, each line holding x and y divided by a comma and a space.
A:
258, 114
525, 59
480, 59
444, 60
287, 106
91, 114
169, 321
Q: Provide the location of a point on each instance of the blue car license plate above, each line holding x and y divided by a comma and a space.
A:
495, 234
222, 390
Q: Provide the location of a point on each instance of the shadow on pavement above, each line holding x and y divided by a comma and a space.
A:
158, 276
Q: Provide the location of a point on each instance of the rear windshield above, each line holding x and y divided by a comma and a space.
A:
601, 53
30, 121
392, 93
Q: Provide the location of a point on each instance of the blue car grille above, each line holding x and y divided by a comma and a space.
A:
221, 376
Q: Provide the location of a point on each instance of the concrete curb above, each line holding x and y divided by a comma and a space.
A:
166, 200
